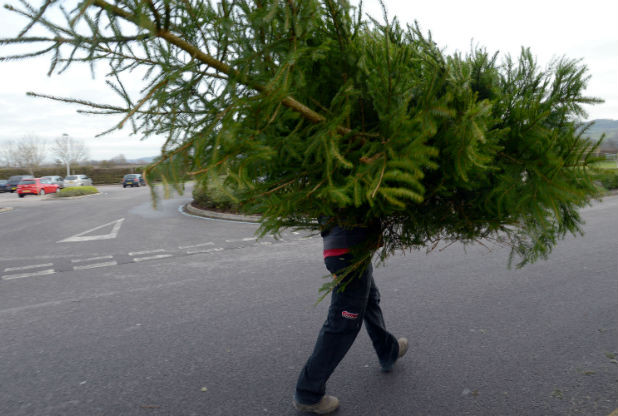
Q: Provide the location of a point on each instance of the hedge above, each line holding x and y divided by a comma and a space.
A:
99, 175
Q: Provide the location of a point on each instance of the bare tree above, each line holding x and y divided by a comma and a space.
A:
69, 150
119, 159
8, 154
30, 153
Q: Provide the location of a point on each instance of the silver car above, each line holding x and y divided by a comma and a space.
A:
55, 179
77, 180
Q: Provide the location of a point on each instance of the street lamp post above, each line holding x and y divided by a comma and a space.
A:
67, 159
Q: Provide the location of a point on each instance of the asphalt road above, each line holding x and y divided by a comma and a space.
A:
110, 307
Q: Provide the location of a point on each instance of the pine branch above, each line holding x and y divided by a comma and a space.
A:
196, 53
77, 101
143, 101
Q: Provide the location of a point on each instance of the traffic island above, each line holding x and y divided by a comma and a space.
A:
77, 191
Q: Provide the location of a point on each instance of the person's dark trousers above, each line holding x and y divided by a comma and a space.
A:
360, 301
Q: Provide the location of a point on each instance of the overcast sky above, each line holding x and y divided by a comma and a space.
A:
551, 28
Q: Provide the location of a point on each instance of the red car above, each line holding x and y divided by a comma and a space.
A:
36, 186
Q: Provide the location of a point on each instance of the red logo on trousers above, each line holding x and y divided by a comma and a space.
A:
349, 315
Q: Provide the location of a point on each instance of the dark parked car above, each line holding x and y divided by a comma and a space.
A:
15, 180
55, 179
4, 187
133, 179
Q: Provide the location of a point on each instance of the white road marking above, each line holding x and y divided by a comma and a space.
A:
236, 240
137, 253
210, 243
158, 256
95, 265
82, 237
19, 276
32, 266
209, 250
91, 259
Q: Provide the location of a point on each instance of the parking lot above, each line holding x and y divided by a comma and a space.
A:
109, 306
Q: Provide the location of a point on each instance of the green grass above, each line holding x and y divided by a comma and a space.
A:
606, 164
77, 191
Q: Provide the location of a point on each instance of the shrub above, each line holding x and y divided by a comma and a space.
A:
608, 178
215, 195
78, 191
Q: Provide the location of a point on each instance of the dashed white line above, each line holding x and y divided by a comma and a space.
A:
95, 265
236, 240
209, 250
91, 259
31, 266
158, 256
210, 243
135, 259
19, 276
137, 253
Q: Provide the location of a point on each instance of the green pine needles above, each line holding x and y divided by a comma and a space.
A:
307, 108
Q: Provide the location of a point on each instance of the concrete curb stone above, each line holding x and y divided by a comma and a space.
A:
613, 192
189, 208
76, 197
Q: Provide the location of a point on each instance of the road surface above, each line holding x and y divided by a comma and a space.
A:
110, 307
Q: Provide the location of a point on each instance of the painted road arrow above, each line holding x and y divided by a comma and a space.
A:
84, 237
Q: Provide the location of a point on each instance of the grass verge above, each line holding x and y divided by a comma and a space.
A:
606, 164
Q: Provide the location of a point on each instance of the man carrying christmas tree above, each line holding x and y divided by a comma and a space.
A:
309, 108
347, 255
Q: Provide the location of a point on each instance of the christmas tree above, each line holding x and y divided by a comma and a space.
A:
308, 108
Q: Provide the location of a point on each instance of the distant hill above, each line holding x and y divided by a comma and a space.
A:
610, 128
603, 125
147, 159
